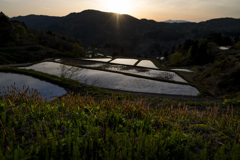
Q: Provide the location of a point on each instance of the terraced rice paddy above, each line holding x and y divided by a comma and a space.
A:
8, 81
112, 80
146, 63
124, 61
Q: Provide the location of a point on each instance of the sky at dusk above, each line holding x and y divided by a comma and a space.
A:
159, 10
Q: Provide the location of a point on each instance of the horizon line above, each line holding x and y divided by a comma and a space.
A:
186, 21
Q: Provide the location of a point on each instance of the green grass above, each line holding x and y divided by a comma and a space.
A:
81, 127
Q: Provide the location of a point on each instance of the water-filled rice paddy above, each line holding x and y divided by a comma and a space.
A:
8, 81
112, 80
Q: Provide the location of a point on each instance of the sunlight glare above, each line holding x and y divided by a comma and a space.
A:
118, 6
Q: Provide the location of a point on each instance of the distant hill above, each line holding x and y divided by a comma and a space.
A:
143, 38
176, 21
37, 21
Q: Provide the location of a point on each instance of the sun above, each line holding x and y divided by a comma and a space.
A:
118, 6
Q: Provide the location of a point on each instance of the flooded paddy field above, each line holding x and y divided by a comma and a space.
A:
9, 81
112, 80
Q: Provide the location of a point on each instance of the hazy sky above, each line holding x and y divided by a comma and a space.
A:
159, 10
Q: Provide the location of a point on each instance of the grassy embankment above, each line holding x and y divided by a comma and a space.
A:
82, 127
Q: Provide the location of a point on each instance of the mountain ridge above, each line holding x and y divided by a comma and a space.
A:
97, 11
137, 37
176, 21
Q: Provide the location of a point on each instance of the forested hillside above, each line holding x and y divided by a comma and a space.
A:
143, 38
20, 44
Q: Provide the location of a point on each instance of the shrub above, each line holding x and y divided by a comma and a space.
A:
176, 59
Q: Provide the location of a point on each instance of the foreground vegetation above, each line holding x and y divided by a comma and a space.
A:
80, 127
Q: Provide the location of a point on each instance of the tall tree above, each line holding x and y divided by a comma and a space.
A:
5, 28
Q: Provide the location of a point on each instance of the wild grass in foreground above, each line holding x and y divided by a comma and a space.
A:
79, 127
